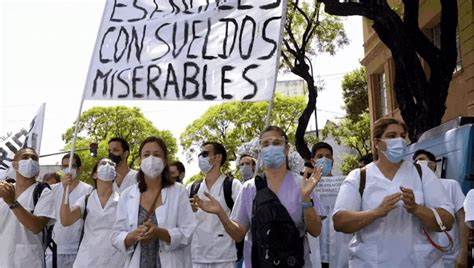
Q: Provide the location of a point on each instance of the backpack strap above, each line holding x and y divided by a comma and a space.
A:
227, 185
84, 216
260, 183
195, 188
363, 178
418, 169
38, 191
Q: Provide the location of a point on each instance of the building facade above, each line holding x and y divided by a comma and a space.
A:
380, 67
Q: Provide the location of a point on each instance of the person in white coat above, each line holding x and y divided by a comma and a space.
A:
155, 223
98, 210
469, 209
389, 212
21, 221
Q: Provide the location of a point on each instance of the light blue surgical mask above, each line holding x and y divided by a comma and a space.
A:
273, 156
396, 149
326, 163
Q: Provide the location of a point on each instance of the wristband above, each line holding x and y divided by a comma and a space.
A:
14, 205
307, 204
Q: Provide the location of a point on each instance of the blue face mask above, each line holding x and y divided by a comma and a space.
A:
396, 149
273, 156
326, 163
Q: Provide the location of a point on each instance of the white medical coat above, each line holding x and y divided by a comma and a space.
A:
469, 209
96, 248
19, 247
129, 180
174, 214
395, 240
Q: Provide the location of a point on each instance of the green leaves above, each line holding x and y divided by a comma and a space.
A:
355, 94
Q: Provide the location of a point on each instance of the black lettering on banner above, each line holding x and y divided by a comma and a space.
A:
4, 158
145, 13
186, 7
124, 31
113, 11
11, 147
175, 7
250, 47
162, 40
171, 81
255, 87
243, 7
195, 37
271, 6
112, 83
204, 85
200, 9
150, 80
185, 35
222, 7
206, 40
136, 79
156, 10
101, 76
102, 60
225, 80
224, 55
190, 79
269, 40
18, 135
124, 82
138, 45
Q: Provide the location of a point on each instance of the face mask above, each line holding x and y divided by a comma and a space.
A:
422, 162
152, 166
28, 168
73, 172
106, 172
246, 172
326, 163
273, 156
204, 164
396, 149
115, 158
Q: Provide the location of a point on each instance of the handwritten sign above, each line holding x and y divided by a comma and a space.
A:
329, 185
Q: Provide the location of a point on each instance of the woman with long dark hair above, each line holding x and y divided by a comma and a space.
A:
154, 224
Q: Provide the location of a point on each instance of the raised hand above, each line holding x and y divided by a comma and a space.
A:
308, 184
388, 204
209, 206
7, 192
408, 198
66, 179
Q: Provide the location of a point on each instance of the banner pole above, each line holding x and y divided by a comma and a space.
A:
277, 60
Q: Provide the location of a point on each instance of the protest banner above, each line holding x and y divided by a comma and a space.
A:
28, 136
186, 50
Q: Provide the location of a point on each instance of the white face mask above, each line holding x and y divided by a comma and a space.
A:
422, 162
204, 164
152, 166
73, 172
246, 172
106, 172
28, 168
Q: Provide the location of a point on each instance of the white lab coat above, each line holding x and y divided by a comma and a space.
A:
395, 240
211, 243
19, 247
129, 180
174, 214
96, 248
469, 209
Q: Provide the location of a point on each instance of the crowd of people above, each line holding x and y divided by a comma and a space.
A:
389, 212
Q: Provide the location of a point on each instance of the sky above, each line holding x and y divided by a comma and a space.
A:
45, 51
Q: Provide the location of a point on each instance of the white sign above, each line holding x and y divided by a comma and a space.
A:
186, 50
329, 185
28, 136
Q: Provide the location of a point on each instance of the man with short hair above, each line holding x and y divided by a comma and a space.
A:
21, 220
211, 245
51, 178
119, 150
177, 171
67, 238
247, 165
365, 160
457, 257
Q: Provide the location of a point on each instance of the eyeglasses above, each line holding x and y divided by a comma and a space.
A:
103, 162
275, 141
204, 154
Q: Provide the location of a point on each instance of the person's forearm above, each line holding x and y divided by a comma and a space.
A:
163, 234
426, 216
34, 223
232, 228
312, 220
129, 241
463, 232
348, 221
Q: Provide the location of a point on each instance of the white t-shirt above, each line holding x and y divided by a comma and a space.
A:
67, 238
457, 197
211, 243
19, 247
96, 248
469, 209
395, 240
129, 180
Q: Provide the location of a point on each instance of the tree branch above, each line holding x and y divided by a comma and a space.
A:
449, 23
334, 7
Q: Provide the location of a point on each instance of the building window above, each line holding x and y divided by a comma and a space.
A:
381, 88
435, 36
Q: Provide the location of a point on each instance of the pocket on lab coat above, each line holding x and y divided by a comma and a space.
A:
425, 255
28, 255
363, 255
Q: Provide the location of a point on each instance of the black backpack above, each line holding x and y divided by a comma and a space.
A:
227, 185
47, 232
276, 240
